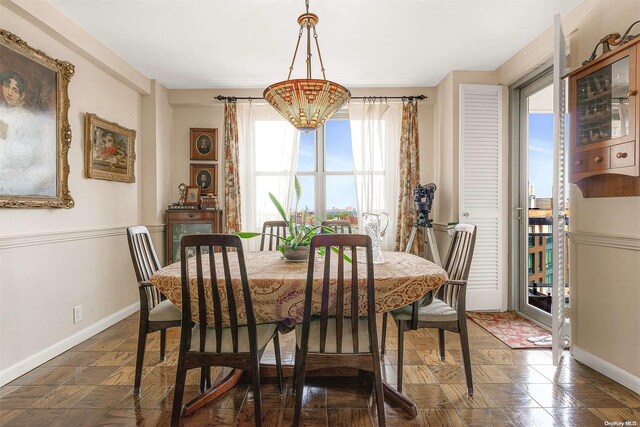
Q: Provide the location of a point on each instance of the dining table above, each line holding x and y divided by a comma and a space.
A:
277, 289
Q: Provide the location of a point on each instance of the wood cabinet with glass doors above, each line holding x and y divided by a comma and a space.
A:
603, 124
182, 222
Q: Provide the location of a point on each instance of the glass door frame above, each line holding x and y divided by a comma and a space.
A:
518, 192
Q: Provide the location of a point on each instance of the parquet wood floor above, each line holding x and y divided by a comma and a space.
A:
92, 385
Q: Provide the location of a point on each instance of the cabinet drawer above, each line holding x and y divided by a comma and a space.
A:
192, 215
592, 160
623, 155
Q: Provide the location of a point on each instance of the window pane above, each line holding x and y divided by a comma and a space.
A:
307, 152
308, 184
339, 157
273, 148
341, 198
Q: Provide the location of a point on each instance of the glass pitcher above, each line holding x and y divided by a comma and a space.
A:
374, 229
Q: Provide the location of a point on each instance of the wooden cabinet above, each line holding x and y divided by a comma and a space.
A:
604, 125
196, 221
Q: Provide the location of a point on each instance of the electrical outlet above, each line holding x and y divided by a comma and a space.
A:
77, 314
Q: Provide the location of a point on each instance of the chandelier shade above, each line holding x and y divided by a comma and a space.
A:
307, 103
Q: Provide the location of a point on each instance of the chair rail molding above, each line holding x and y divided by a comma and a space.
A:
607, 240
34, 239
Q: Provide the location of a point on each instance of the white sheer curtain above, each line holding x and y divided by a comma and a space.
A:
375, 136
268, 163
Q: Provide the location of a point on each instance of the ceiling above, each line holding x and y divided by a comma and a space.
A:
364, 43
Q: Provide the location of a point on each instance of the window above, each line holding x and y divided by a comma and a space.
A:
539, 261
531, 241
530, 264
549, 258
325, 172
549, 278
540, 240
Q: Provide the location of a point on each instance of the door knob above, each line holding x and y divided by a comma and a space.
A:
621, 155
597, 159
466, 214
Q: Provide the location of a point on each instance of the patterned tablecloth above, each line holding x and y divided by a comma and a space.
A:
277, 287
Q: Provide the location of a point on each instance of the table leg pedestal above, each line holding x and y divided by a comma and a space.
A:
212, 393
394, 397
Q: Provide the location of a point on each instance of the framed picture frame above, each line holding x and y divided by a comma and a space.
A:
34, 127
192, 196
109, 150
205, 177
204, 144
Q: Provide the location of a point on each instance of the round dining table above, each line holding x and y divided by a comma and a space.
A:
277, 290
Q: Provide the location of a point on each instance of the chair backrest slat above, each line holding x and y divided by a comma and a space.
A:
338, 225
145, 260
343, 288
458, 260
209, 286
276, 228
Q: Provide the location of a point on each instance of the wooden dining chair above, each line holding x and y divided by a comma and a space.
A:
333, 338
235, 345
275, 228
338, 225
447, 311
157, 313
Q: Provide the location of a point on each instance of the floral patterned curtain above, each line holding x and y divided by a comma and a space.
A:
409, 178
231, 175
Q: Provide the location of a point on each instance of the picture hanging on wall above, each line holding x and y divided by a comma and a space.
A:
109, 150
205, 177
34, 127
204, 144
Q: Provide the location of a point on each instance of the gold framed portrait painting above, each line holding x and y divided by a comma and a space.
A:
109, 150
192, 196
205, 177
34, 127
204, 144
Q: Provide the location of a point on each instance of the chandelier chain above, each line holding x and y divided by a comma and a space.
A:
315, 36
295, 52
308, 47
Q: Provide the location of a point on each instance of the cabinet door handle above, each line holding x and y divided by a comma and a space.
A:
632, 92
597, 159
621, 155
578, 162
190, 215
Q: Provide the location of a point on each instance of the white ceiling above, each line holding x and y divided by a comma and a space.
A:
364, 43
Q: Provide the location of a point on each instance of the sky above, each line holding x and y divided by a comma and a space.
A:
541, 154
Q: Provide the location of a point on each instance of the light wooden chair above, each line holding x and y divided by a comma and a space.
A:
338, 225
157, 313
276, 228
337, 339
447, 312
206, 344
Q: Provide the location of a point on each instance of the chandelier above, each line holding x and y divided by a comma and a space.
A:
307, 103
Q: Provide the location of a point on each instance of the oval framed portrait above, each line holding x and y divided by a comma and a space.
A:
204, 144
205, 177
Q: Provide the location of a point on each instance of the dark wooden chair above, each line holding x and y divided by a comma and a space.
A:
447, 311
205, 345
276, 228
157, 313
338, 225
335, 339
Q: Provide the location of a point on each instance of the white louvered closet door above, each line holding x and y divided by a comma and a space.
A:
481, 190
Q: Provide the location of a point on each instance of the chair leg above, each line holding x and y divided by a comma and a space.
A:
377, 385
400, 352
296, 363
163, 343
178, 392
466, 354
142, 342
441, 343
257, 395
300, 367
276, 349
384, 333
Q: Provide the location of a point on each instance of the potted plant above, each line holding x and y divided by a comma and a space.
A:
295, 246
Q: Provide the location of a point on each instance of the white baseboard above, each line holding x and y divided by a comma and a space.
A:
24, 366
606, 368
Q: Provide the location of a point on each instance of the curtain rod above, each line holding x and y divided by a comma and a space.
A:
365, 98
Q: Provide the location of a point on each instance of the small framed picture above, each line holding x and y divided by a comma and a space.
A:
192, 196
205, 177
109, 150
204, 144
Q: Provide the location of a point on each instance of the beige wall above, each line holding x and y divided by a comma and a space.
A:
54, 259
